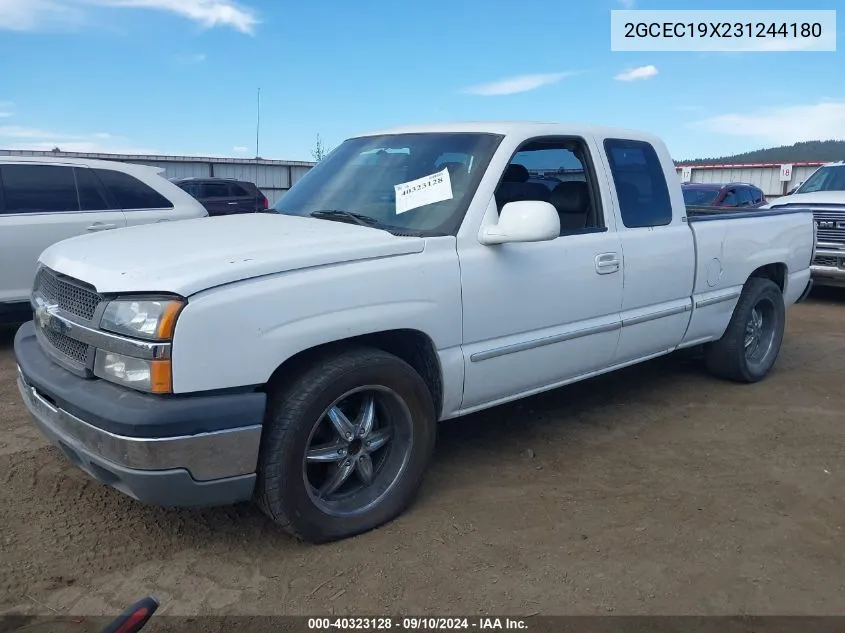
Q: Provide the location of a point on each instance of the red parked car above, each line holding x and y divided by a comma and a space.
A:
735, 194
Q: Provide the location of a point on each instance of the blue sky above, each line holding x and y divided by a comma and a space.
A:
180, 76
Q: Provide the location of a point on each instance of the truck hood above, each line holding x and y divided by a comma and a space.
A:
816, 197
189, 256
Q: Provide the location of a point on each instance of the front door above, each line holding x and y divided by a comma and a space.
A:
540, 314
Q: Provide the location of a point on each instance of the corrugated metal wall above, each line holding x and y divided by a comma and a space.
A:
766, 177
273, 177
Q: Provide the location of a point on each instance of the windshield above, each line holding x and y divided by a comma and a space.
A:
824, 179
413, 182
702, 197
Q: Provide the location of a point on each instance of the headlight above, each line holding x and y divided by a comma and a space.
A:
153, 376
151, 319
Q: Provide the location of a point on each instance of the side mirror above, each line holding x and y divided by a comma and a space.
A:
524, 221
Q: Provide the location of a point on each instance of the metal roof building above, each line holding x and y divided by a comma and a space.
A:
774, 179
273, 177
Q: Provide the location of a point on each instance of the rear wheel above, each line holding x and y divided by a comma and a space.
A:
751, 344
345, 445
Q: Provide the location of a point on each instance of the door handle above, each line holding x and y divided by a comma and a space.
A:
101, 226
607, 263
231, 203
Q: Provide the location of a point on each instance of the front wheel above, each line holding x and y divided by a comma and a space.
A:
751, 344
345, 445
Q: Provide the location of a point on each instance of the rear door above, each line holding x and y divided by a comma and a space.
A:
43, 204
216, 198
244, 198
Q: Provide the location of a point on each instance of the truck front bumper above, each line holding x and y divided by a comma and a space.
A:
828, 268
195, 450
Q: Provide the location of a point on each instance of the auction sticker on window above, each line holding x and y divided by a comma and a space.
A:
422, 191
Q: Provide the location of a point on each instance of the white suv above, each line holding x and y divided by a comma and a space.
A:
45, 200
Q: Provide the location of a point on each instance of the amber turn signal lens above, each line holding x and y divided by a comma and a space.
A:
167, 322
161, 376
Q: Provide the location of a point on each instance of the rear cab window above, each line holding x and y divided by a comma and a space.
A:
640, 183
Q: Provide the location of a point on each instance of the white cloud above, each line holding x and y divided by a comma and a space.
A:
627, 4
240, 149
34, 15
194, 58
513, 85
633, 74
5, 114
19, 137
16, 131
783, 125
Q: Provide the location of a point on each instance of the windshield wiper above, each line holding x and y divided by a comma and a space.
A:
339, 214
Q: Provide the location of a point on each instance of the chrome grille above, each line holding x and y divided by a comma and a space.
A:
75, 299
835, 216
70, 295
76, 351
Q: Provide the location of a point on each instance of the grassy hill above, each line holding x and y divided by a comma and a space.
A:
807, 151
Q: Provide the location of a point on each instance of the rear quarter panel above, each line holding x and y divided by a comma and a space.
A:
729, 249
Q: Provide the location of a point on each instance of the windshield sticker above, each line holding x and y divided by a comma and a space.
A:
422, 191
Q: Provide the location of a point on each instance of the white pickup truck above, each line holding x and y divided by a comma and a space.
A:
303, 358
823, 193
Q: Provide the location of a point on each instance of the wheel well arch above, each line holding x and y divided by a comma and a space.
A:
413, 346
775, 272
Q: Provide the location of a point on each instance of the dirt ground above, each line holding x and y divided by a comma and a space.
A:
656, 490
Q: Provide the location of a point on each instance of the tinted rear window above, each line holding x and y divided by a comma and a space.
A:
214, 190
130, 193
39, 189
695, 197
91, 194
237, 191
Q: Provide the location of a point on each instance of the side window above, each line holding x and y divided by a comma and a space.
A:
731, 199
236, 191
557, 171
91, 195
640, 183
214, 190
744, 197
758, 196
39, 189
129, 192
191, 188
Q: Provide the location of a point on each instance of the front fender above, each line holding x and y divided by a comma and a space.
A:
237, 335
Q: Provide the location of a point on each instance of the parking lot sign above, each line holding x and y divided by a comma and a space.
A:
686, 174
785, 173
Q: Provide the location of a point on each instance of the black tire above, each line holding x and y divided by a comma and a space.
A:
729, 357
297, 410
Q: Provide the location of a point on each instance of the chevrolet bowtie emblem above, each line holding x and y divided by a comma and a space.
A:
44, 314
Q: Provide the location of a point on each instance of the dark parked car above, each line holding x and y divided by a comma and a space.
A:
224, 196
735, 194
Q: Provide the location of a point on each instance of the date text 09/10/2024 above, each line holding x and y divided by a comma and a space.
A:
416, 623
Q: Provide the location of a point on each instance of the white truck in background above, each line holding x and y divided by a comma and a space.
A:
824, 193
303, 358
